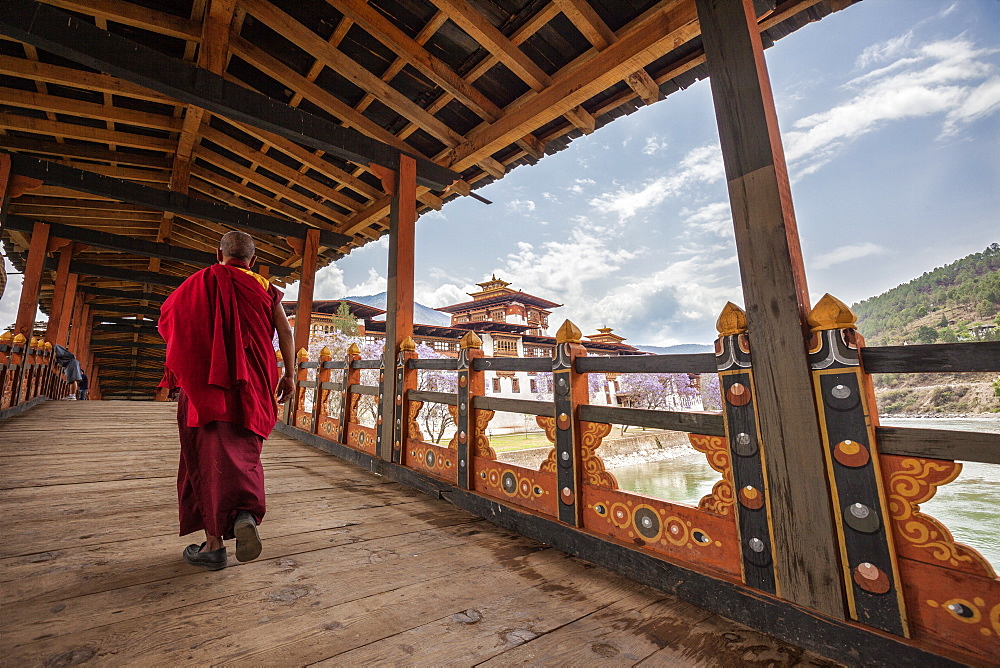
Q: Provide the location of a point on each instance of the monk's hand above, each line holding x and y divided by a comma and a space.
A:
285, 389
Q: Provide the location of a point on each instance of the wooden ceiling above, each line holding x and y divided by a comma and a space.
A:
477, 86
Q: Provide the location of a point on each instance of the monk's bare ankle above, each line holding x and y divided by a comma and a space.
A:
213, 543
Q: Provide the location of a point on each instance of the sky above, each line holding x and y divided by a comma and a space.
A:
890, 119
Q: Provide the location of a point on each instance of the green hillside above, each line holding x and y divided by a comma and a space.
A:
957, 302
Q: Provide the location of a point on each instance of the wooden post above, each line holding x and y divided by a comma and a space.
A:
471, 384
59, 294
298, 415
320, 395
351, 377
569, 391
303, 309
6, 372
33, 269
845, 399
399, 285
406, 379
61, 335
17, 367
753, 507
76, 321
774, 287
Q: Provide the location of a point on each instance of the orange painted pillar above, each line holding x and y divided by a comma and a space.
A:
303, 310
32, 281
61, 335
77, 322
399, 288
59, 295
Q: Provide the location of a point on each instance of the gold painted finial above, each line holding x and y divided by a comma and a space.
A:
6, 337
33, 343
471, 340
831, 313
326, 354
19, 340
303, 354
48, 345
569, 333
353, 349
407, 345
732, 320
277, 353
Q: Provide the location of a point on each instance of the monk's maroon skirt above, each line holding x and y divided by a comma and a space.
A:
219, 474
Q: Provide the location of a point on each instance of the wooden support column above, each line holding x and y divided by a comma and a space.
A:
61, 335
303, 309
76, 322
32, 281
399, 284
62, 284
406, 379
569, 392
348, 401
471, 384
805, 550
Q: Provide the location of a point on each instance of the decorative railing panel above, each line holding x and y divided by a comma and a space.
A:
901, 570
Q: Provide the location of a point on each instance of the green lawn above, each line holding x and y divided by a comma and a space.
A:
512, 442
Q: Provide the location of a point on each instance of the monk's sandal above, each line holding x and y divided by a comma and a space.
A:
247, 539
213, 561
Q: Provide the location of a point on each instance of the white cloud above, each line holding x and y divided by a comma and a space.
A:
945, 77
521, 205
701, 165
846, 254
981, 101
715, 218
654, 145
886, 50
443, 294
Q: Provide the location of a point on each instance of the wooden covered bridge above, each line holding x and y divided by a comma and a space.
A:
133, 134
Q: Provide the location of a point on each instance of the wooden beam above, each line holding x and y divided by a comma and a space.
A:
122, 274
653, 35
351, 70
32, 281
83, 152
53, 30
597, 32
412, 52
491, 39
131, 14
122, 294
804, 537
37, 71
83, 181
71, 107
72, 131
307, 281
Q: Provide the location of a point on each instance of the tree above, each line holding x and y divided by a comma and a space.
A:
344, 322
943, 322
948, 335
926, 334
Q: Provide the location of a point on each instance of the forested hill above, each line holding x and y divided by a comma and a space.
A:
957, 302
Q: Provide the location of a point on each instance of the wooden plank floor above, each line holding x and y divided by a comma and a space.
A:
356, 569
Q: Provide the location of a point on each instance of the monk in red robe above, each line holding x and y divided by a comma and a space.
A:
219, 326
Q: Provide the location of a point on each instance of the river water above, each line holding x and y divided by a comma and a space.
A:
969, 506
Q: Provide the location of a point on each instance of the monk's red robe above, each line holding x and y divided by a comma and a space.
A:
219, 329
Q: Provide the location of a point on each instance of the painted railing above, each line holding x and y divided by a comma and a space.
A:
901, 571
27, 373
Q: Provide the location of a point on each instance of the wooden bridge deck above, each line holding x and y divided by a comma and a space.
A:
355, 570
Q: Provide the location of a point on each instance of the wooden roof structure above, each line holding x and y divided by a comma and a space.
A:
157, 125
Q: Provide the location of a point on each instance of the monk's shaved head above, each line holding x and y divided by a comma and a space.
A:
237, 245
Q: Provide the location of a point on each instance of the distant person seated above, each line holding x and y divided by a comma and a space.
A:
84, 386
71, 370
